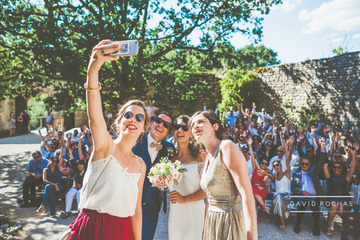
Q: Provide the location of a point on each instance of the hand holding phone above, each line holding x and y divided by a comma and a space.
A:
127, 48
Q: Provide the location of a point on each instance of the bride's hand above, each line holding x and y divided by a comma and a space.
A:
175, 197
100, 54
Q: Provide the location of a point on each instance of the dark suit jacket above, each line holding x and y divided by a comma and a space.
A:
314, 172
151, 195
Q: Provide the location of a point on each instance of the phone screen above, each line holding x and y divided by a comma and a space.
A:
128, 48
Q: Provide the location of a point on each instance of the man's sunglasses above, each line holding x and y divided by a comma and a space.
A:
185, 128
338, 156
305, 164
36, 156
276, 165
265, 163
139, 117
159, 121
336, 167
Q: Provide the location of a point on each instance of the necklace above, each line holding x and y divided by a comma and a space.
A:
126, 164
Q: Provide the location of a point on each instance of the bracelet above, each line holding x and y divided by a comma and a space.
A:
92, 89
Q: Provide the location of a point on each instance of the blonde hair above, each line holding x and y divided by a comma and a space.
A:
121, 113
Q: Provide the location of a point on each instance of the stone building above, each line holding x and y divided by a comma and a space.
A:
329, 85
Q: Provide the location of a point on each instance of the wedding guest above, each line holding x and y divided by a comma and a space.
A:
75, 191
151, 110
250, 158
187, 208
283, 186
12, 124
52, 179
26, 121
48, 121
279, 157
151, 149
306, 182
259, 179
35, 177
338, 180
20, 123
112, 187
247, 114
225, 181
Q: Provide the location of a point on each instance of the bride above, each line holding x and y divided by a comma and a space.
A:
187, 208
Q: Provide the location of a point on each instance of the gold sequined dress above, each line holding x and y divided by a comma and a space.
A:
224, 218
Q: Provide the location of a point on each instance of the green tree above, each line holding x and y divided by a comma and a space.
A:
48, 43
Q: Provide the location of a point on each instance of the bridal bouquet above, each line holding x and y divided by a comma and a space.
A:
165, 173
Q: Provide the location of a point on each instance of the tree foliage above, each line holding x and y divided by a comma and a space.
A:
48, 43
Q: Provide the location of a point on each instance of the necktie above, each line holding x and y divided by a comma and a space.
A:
158, 146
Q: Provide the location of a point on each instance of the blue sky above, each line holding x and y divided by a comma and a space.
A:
310, 29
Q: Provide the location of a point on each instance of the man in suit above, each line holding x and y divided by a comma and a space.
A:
306, 182
151, 149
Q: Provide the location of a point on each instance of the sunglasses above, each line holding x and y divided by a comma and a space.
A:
337, 156
336, 167
37, 157
139, 117
280, 151
241, 139
165, 123
265, 163
305, 164
185, 128
276, 165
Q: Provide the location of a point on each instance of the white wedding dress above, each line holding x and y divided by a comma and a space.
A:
186, 221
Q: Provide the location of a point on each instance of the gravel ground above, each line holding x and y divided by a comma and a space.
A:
15, 153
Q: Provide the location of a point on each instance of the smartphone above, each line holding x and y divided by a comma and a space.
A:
128, 48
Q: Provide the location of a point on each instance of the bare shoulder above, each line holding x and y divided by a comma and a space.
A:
140, 162
228, 145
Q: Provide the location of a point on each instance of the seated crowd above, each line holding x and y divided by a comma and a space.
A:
285, 164
59, 168
294, 163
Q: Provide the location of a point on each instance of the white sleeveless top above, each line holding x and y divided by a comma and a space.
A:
283, 186
109, 188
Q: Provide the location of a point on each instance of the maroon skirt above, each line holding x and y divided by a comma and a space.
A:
91, 224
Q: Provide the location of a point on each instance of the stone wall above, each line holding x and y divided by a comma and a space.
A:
6, 107
330, 85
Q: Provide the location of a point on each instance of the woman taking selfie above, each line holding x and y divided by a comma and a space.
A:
226, 183
112, 187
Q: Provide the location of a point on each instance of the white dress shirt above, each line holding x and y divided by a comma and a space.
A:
153, 152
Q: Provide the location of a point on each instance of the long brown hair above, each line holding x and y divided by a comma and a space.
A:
121, 113
213, 118
193, 145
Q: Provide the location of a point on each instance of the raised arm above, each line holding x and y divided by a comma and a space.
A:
353, 162
43, 139
235, 162
290, 145
254, 111
250, 142
81, 156
332, 143
242, 110
97, 121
